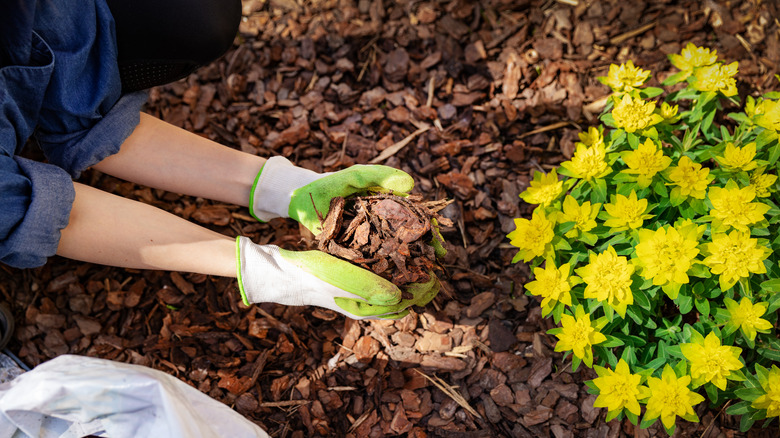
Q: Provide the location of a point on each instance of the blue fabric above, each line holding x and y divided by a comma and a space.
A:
59, 82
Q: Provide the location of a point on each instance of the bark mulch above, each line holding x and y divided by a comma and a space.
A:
469, 98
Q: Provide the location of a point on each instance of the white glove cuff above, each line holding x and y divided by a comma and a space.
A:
275, 184
263, 276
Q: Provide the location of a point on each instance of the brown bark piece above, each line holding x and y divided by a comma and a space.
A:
388, 234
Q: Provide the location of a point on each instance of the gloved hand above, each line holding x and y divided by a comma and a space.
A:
269, 274
282, 189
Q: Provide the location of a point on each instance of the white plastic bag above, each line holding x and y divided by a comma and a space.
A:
76, 396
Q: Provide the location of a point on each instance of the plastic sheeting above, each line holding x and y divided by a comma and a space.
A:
75, 396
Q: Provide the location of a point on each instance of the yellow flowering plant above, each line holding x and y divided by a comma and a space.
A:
655, 248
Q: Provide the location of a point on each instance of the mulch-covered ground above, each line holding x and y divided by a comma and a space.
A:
469, 98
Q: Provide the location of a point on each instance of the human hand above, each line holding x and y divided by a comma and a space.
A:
267, 273
285, 190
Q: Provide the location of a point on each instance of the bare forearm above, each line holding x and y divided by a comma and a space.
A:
116, 231
166, 157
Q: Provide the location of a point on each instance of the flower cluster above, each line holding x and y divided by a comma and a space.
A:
662, 214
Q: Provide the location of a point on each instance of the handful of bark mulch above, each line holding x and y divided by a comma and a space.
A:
395, 237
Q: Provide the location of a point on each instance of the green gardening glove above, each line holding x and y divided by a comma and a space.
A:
421, 294
269, 274
282, 189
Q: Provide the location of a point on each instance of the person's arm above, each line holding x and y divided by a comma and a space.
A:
160, 155
116, 231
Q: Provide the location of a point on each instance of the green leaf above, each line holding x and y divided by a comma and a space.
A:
774, 301
685, 303
629, 355
740, 408
606, 355
575, 363
674, 350
703, 306
774, 154
764, 138
737, 376
558, 312
673, 79
633, 140
560, 244
650, 92
641, 299
770, 354
589, 239
675, 197
633, 315
745, 423
647, 423
611, 342
749, 394
681, 368
741, 118
608, 120
707, 124
656, 363
599, 194
712, 393
660, 189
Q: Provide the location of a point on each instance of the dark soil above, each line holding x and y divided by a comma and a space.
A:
469, 98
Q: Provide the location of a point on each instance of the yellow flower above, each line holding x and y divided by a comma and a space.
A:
738, 158
552, 284
626, 212
716, 77
666, 255
762, 182
668, 112
634, 114
646, 161
771, 398
544, 189
625, 78
578, 335
608, 279
670, 397
533, 237
733, 256
583, 216
732, 206
691, 57
747, 316
765, 113
588, 162
593, 137
711, 361
690, 178
618, 389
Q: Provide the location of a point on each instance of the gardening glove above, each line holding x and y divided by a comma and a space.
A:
269, 274
282, 189
421, 295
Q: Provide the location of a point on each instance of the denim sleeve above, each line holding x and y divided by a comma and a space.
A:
79, 148
84, 117
37, 199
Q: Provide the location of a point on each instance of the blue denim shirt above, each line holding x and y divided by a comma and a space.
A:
59, 82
